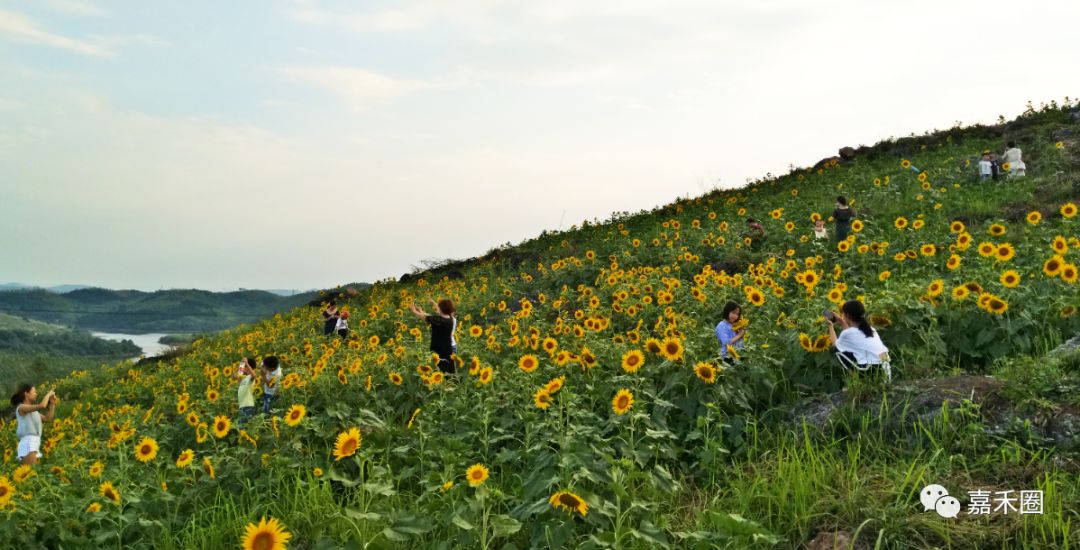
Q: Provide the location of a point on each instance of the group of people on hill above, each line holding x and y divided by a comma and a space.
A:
858, 341
335, 321
1011, 161
268, 374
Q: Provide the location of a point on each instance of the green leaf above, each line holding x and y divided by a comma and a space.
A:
361, 515
462, 522
651, 534
406, 526
380, 488
505, 525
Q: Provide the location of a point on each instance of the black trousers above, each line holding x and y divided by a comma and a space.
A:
328, 326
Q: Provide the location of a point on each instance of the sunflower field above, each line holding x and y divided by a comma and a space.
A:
591, 408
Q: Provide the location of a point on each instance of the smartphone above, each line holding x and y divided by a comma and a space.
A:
830, 316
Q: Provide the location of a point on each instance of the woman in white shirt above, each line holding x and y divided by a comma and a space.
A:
858, 340
28, 420
1014, 158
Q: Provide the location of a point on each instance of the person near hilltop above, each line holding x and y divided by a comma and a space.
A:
442, 326
342, 325
1013, 157
842, 215
330, 316
755, 232
28, 420
858, 340
271, 379
245, 392
730, 331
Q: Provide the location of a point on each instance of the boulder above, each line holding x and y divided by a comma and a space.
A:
847, 153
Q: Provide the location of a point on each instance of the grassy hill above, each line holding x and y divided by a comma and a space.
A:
12, 322
592, 409
138, 312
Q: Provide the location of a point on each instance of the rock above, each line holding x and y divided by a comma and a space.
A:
847, 153
1074, 116
405, 278
1061, 134
830, 541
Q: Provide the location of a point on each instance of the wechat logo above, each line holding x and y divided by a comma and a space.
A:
935, 497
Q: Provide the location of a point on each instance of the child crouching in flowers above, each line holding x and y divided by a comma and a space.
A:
28, 420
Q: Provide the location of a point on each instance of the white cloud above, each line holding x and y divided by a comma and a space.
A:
75, 7
121, 40
358, 88
23, 29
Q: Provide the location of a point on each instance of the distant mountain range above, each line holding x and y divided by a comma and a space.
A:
133, 311
64, 289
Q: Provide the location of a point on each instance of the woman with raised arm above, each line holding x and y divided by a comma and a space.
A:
442, 332
28, 420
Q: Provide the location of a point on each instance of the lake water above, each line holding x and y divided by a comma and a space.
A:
148, 342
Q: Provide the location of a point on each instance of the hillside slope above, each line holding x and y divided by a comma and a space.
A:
592, 409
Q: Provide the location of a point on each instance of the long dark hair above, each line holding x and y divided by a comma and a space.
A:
20, 394
856, 313
842, 200
728, 308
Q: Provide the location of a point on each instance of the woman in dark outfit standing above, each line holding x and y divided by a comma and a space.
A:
842, 216
330, 317
442, 327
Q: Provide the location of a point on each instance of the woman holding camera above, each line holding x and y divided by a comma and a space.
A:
28, 420
859, 341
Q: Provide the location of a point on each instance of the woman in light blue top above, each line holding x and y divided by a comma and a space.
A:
28, 420
726, 333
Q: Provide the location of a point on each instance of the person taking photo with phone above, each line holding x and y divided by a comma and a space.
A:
858, 340
28, 420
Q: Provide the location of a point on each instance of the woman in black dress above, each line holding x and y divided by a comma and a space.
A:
330, 316
842, 216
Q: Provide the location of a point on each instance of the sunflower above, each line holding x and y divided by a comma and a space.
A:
706, 372
1059, 245
632, 360
550, 345
957, 226
347, 443
1052, 267
1010, 278
208, 467
960, 292
528, 363
211, 395
267, 535
221, 426
1034, 217
953, 262
900, 222
485, 375
918, 224
96, 469
1068, 311
107, 490
185, 458
542, 399
23, 473
905, 164
836, 295
555, 384
295, 414
884, 275
821, 343
672, 348
755, 297
1068, 273
192, 419
412, 418
565, 500
996, 305
1005, 252
805, 341
92, 509
1068, 210
477, 474
987, 249
7, 491
996, 230
843, 246
928, 249
963, 240
974, 287
935, 288
395, 378
146, 450
622, 401
857, 226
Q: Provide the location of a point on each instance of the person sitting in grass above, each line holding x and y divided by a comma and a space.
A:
245, 392
858, 341
271, 378
28, 420
442, 326
730, 337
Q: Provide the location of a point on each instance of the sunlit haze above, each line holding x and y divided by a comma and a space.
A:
304, 144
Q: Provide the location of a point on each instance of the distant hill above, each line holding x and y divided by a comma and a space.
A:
59, 289
136, 311
13, 322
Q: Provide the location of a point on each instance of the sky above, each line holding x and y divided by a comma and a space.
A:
304, 144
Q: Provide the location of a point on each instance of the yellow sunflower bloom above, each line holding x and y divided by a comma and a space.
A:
267, 535
622, 401
347, 443
477, 474
295, 414
569, 502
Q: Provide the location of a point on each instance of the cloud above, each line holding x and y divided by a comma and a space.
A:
121, 40
23, 29
75, 7
358, 88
